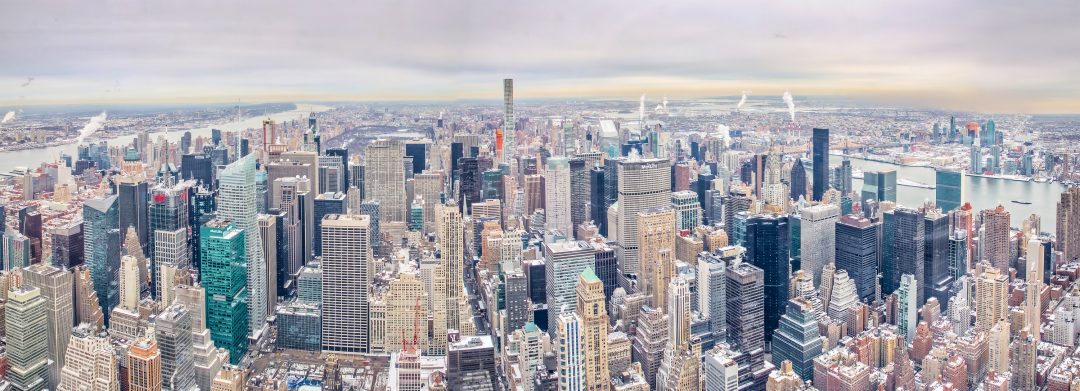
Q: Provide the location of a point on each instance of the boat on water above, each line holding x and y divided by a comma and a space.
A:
1021, 202
910, 183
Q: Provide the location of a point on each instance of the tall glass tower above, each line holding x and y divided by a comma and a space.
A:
101, 247
237, 204
821, 162
224, 276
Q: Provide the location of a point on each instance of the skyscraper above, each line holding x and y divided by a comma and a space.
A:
949, 193
144, 366
557, 196
857, 252
687, 209
236, 203
995, 240
592, 312
908, 251
346, 265
173, 332
798, 339
224, 276
564, 263
55, 287
821, 162
817, 229
746, 313
767, 248
936, 270
656, 243
207, 359
26, 326
509, 122
879, 186
642, 184
907, 313
450, 233
90, 363
133, 203
102, 249
1068, 223
384, 178
798, 180
326, 204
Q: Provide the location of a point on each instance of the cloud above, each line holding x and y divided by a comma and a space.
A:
416, 48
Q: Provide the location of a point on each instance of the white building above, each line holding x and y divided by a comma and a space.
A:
817, 230
237, 195
346, 282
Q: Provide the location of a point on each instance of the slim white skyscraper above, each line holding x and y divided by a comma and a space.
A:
508, 120
557, 195
571, 353
908, 313
55, 286
346, 282
237, 203
1032, 294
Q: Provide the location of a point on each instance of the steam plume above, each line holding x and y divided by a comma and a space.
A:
8, 117
641, 107
742, 101
790, 104
96, 123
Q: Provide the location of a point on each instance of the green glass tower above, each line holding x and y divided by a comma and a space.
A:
224, 276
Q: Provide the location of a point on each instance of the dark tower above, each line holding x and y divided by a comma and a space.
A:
821, 162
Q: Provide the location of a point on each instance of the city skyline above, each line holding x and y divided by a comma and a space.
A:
963, 56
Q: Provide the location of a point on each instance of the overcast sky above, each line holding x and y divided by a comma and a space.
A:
1000, 56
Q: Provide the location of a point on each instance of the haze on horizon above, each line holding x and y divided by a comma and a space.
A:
988, 56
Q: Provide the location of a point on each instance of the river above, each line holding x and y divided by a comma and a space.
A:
9, 160
982, 193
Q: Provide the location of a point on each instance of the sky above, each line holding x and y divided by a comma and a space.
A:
988, 56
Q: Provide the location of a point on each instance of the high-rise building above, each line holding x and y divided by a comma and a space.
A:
144, 366
797, 183
26, 328
557, 196
68, 244
995, 240
346, 265
821, 162
132, 206
224, 276
572, 365
450, 233
687, 209
171, 254
172, 329
949, 193
1033, 290
331, 174
857, 252
581, 189
746, 313
817, 229
509, 121
907, 311
772, 189
937, 279
326, 204
1068, 224
767, 248
384, 178
650, 340
991, 301
236, 203
592, 312
564, 262
643, 184
721, 370
207, 359
102, 249
90, 364
55, 286
656, 243
908, 251
712, 291
798, 339
879, 186
87, 308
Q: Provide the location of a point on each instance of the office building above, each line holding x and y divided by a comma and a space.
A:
26, 328
207, 359
687, 209
817, 237
384, 178
102, 249
821, 162
450, 233
767, 248
1068, 224
995, 240
172, 329
857, 253
798, 339
470, 364
557, 196
55, 286
224, 277
643, 184
949, 190
564, 262
132, 206
593, 324
326, 204
346, 265
68, 245
879, 186
90, 364
746, 313
938, 279
572, 366
144, 366
237, 204
908, 251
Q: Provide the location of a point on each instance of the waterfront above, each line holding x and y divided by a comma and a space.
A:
9, 160
981, 192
